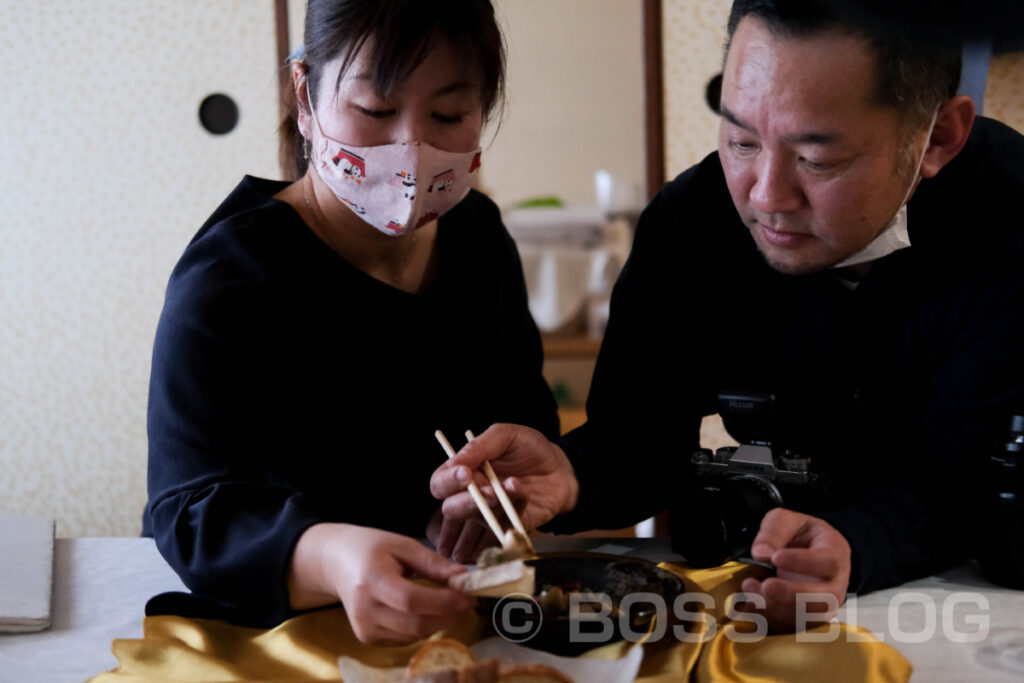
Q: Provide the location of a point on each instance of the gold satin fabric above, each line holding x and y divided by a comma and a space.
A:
307, 647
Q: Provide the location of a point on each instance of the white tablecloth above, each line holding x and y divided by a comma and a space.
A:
100, 589
934, 620
101, 586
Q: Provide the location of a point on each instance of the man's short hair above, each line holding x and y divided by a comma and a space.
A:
917, 49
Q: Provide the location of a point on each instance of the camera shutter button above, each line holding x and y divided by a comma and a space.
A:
796, 463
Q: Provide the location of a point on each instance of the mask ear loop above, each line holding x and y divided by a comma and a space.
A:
312, 111
297, 58
920, 162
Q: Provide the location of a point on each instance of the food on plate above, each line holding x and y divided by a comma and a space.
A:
500, 571
514, 546
478, 672
532, 673
440, 655
497, 581
448, 661
554, 600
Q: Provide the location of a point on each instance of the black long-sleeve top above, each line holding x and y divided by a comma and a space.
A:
290, 388
897, 389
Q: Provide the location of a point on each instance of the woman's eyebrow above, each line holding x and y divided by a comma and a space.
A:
454, 87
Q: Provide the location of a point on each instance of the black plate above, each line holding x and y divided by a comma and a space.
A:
516, 619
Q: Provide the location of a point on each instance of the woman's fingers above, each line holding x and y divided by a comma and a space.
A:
386, 582
380, 624
473, 535
421, 560
447, 533
417, 600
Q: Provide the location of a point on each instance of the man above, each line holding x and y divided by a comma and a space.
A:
791, 262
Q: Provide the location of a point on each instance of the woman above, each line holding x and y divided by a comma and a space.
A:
315, 334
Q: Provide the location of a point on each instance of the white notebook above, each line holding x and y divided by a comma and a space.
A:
26, 572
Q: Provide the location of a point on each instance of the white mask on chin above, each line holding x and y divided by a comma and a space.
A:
895, 235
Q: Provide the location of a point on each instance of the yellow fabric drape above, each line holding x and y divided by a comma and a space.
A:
307, 647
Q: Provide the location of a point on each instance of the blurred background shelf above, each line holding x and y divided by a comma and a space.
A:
571, 417
582, 346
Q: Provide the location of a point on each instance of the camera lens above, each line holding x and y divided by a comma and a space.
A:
719, 522
1002, 553
1001, 550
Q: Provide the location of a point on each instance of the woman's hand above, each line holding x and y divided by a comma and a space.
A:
536, 474
368, 570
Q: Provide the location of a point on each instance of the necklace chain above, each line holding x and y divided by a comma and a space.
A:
305, 198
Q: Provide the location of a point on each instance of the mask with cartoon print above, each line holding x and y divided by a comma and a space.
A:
395, 188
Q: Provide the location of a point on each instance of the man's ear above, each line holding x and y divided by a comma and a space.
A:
952, 127
299, 80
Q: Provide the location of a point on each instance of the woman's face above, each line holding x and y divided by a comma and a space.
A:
438, 104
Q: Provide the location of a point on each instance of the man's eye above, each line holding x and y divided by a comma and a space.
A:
742, 147
818, 166
449, 118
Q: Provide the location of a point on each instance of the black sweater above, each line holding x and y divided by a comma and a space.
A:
289, 388
896, 389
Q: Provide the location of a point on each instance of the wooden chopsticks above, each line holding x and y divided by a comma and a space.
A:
499, 491
478, 497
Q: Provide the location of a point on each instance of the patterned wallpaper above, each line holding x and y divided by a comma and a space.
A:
1004, 91
107, 174
693, 34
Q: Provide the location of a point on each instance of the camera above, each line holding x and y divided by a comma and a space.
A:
1001, 554
717, 517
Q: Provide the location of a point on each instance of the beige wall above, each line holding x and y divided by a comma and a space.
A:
575, 99
106, 175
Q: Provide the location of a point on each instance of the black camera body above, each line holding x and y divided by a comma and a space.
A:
1001, 553
729, 491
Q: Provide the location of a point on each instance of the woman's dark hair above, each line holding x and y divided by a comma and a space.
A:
918, 51
400, 35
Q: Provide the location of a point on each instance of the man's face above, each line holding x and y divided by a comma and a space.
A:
812, 162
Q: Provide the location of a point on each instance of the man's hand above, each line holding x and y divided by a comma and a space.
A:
811, 557
368, 570
535, 473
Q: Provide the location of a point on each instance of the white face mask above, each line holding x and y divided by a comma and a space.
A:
395, 188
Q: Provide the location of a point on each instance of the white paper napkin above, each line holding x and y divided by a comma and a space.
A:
26, 572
